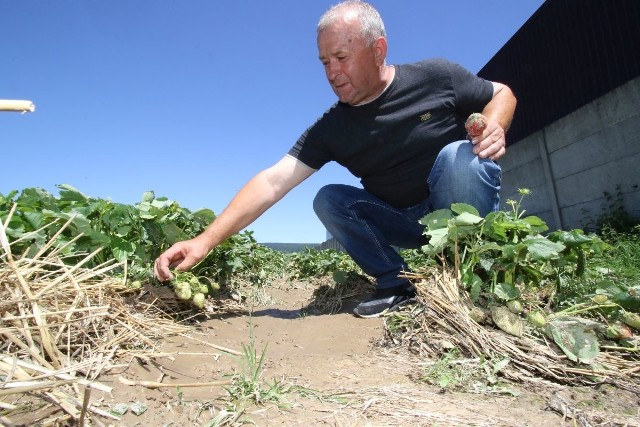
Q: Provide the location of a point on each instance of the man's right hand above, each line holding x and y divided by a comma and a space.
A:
182, 256
258, 195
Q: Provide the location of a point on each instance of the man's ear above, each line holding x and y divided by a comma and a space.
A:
380, 50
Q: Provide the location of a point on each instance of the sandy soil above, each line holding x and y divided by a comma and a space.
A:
329, 370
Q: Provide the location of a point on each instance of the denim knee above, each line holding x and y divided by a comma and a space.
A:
460, 176
323, 200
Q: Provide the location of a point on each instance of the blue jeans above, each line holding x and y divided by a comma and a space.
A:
369, 228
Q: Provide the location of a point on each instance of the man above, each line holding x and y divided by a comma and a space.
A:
398, 128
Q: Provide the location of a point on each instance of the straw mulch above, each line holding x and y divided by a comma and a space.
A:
62, 327
441, 322
329, 296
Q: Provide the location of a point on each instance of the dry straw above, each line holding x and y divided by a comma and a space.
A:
442, 322
62, 327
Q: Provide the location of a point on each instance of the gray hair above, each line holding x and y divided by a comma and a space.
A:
371, 25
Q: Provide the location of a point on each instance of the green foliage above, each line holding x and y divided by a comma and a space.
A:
447, 372
505, 255
417, 259
450, 372
508, 266
624, 259
134, 234
314, 263
241, 256
611, 276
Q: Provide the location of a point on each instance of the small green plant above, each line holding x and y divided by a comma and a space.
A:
180, 395
449, 372
452, 372
247, 385
229, 415
613, 216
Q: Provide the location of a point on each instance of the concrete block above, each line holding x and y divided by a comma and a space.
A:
590, 184
528, 175
608, 110
521, 153
607, 145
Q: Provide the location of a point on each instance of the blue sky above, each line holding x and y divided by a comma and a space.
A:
191, 98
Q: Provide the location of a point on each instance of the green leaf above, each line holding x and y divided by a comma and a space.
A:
491, 227
70, 193
572, 238
123, 230
8, 198
146, 210
474, 283
437, 241
537, 224
204, 216
138, 408
500, 365
172, 233
437, 219
340, 277
119, 409
576, 338
162, 203
542, 249
628, 301
466, 218
34, 219
485, 246
460, 208
148, 196
506, 291
121, 249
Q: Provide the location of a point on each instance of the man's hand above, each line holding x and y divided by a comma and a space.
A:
182, 255
491, 143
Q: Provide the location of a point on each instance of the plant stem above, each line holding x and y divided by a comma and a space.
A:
583, 308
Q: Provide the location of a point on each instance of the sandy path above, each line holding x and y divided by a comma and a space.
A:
326, 354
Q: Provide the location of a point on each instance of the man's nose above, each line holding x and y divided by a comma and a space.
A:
332, 69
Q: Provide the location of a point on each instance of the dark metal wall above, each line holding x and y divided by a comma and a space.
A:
567, 54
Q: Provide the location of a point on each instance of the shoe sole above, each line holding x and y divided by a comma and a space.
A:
386, 310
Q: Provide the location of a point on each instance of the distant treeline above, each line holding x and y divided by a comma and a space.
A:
291, 247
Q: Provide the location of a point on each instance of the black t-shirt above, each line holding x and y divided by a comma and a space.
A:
392, 142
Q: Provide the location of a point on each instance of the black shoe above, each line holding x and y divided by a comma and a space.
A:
385, 301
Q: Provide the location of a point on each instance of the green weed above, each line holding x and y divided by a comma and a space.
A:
247, 385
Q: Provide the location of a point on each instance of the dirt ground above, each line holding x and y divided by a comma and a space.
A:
328, 370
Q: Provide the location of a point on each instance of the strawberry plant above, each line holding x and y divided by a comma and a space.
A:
505, 254
510, 268
132, 234
136, 233
313, 262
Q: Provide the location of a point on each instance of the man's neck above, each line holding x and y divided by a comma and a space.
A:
387, 74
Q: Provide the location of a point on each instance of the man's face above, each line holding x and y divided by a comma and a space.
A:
350, 66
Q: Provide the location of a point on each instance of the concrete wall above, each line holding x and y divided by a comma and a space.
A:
571, 164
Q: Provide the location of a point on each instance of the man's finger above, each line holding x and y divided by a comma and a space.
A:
161, 268
187, 263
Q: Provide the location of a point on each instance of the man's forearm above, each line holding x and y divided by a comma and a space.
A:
248, 204
501, 107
